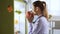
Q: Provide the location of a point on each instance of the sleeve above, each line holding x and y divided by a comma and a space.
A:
38, 28
30, 26
40, 25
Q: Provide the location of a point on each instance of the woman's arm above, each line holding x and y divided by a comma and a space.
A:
38, 28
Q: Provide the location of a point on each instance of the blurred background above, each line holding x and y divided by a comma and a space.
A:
21, 24
12, 16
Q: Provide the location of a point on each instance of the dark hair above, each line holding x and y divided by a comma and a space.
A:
38, 4
42, 7
44, 3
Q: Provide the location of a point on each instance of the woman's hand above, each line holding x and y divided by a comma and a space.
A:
29, 16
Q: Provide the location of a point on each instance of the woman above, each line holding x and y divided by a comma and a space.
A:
40, 25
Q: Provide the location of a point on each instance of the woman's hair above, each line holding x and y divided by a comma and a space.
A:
38, 4
45, 10
42, 6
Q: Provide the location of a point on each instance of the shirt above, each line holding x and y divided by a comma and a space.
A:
41, 26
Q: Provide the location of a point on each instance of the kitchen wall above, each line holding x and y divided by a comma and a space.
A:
6, 17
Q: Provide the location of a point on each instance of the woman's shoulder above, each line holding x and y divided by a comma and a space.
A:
42, 18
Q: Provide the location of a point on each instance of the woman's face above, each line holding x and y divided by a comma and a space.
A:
36, 10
